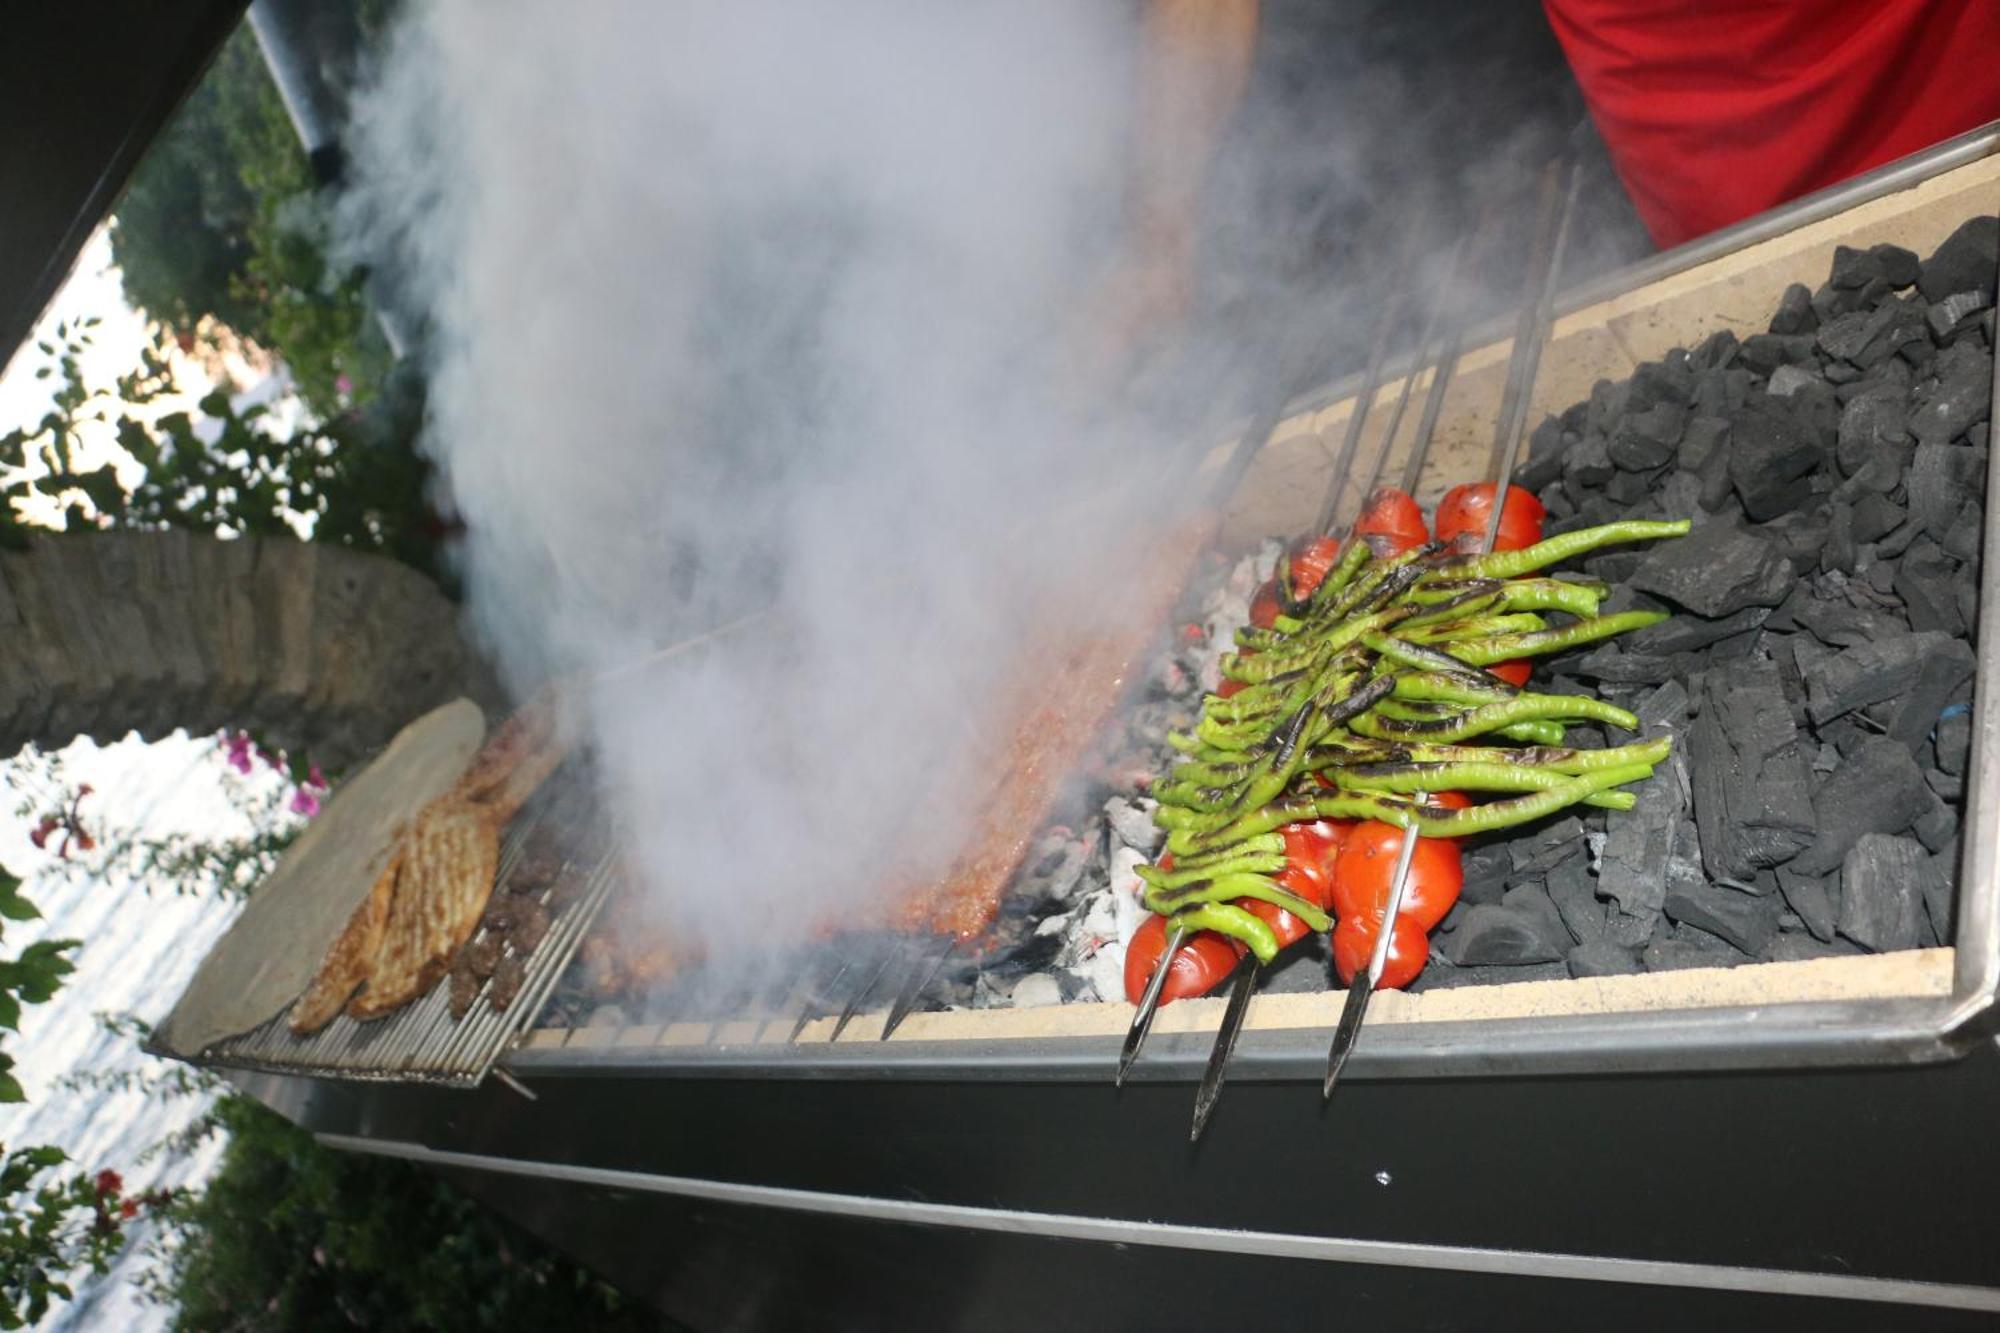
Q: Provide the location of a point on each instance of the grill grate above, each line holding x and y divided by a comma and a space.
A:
422, 1042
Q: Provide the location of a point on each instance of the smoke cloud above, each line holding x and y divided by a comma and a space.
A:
740, 309
743, 310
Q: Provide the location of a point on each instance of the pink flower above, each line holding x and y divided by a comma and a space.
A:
305, 803
343, 385
239, 751
315, 779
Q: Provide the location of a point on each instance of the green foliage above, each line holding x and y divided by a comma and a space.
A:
222, 221
353, 481
291, 1235
49, 1225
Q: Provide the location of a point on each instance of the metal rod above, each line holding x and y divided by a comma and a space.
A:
853, 1005
1551, 231
1357, 417
919, 981
1535, 319
1206, 1096
1149, 1004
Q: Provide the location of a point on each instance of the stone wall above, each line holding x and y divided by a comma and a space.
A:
320, 648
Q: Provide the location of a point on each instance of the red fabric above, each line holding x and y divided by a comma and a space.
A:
1715, 110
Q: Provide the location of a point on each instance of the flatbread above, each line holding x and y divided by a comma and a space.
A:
449, 863
347, 963
274, 948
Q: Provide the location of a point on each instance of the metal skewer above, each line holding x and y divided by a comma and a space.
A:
1551, 235
1250, 971
1308, 373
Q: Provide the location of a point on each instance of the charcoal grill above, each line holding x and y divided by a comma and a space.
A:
1539, 1143
423, 1042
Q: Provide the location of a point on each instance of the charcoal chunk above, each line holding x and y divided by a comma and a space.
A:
1941, 477
1690, 946
1954, 740
1496, 934
1870, 423
1789, 380
1928, 582
1853, 268
1877, 789
1957, 313
1685, 634
1940, 893
1795, 312
1875, 516
1967, 533
1938, 680
1642, 441
1587, 467
1548, 847
1882, 891
1451, 978
1965, 262
1938, 829
1844, 336
1795, 947
1719, 348
1765, 352
1700, 439
1962, 394
1603, 957
1715, 571
1747, 921
1772, 463
1573, 890
1869, 673
1747, 773
1814, 898
1899, 267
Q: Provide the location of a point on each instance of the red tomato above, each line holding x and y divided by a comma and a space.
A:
1288, 928
1264, 608
1310, 562
1309, 850
1365, 873
1198, 966
1354, 945
1392, 522
1464, 510
1515, 673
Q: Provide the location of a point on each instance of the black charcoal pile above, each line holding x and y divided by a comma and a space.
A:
1819, 666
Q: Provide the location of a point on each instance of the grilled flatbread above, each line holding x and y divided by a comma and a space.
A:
348, 961
450, 856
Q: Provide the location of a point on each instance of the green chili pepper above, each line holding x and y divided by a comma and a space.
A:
1246, 863
1481, 627
1232, 921
1230, 888
1490, 717
1505, 647
1433, 823
1534, 733
1262, 844
1513, 564
1457, 687
1421, 657
1555, 760
1465, 777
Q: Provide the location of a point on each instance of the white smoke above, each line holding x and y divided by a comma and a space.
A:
756, 308
783, 309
